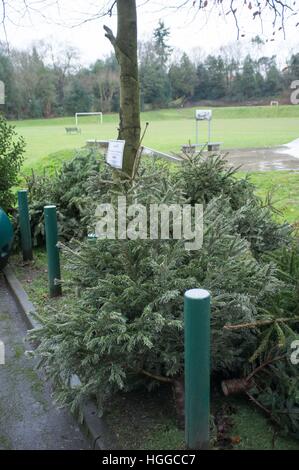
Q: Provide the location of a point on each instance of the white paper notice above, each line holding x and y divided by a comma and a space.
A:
115, 154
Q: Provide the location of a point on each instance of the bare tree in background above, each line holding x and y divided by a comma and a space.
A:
125, 42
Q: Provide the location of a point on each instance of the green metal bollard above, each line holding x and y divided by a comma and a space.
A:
197, 368
6, 238
25, 229
52, 250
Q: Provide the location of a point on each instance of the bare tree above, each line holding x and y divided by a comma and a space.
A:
125, 47
64, 60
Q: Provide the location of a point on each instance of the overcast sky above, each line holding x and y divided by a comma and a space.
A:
54, 20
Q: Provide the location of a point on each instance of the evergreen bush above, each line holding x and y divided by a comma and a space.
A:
12, 149
68, 189
126, 327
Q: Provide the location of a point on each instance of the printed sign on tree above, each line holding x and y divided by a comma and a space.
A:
115, 154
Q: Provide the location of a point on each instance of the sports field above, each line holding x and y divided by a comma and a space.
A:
48, 144
240, 127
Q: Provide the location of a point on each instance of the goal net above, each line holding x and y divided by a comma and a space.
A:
98, 117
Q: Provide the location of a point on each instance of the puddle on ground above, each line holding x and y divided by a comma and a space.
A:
267, 159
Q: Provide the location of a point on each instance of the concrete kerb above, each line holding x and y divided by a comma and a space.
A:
26, 307
95, 427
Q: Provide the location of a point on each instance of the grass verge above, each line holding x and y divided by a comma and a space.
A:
283, 188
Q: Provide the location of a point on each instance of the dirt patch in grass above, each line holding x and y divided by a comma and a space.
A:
145, 420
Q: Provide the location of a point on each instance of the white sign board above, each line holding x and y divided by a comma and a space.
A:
203, 115
115, 153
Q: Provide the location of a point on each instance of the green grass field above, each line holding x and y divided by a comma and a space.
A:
240, 127
283, 187
48, 144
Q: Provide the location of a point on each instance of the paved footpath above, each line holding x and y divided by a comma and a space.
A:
28, 418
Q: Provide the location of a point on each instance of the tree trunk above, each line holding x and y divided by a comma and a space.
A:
125, 46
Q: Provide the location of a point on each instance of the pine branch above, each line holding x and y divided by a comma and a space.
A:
159, 378
256, 324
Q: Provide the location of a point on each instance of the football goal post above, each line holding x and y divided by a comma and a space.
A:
89, 114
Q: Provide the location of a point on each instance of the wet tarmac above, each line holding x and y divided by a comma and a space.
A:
267, 159
29, 420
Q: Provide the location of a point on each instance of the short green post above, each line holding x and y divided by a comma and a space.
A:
197, 368
25, 229
52, 250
